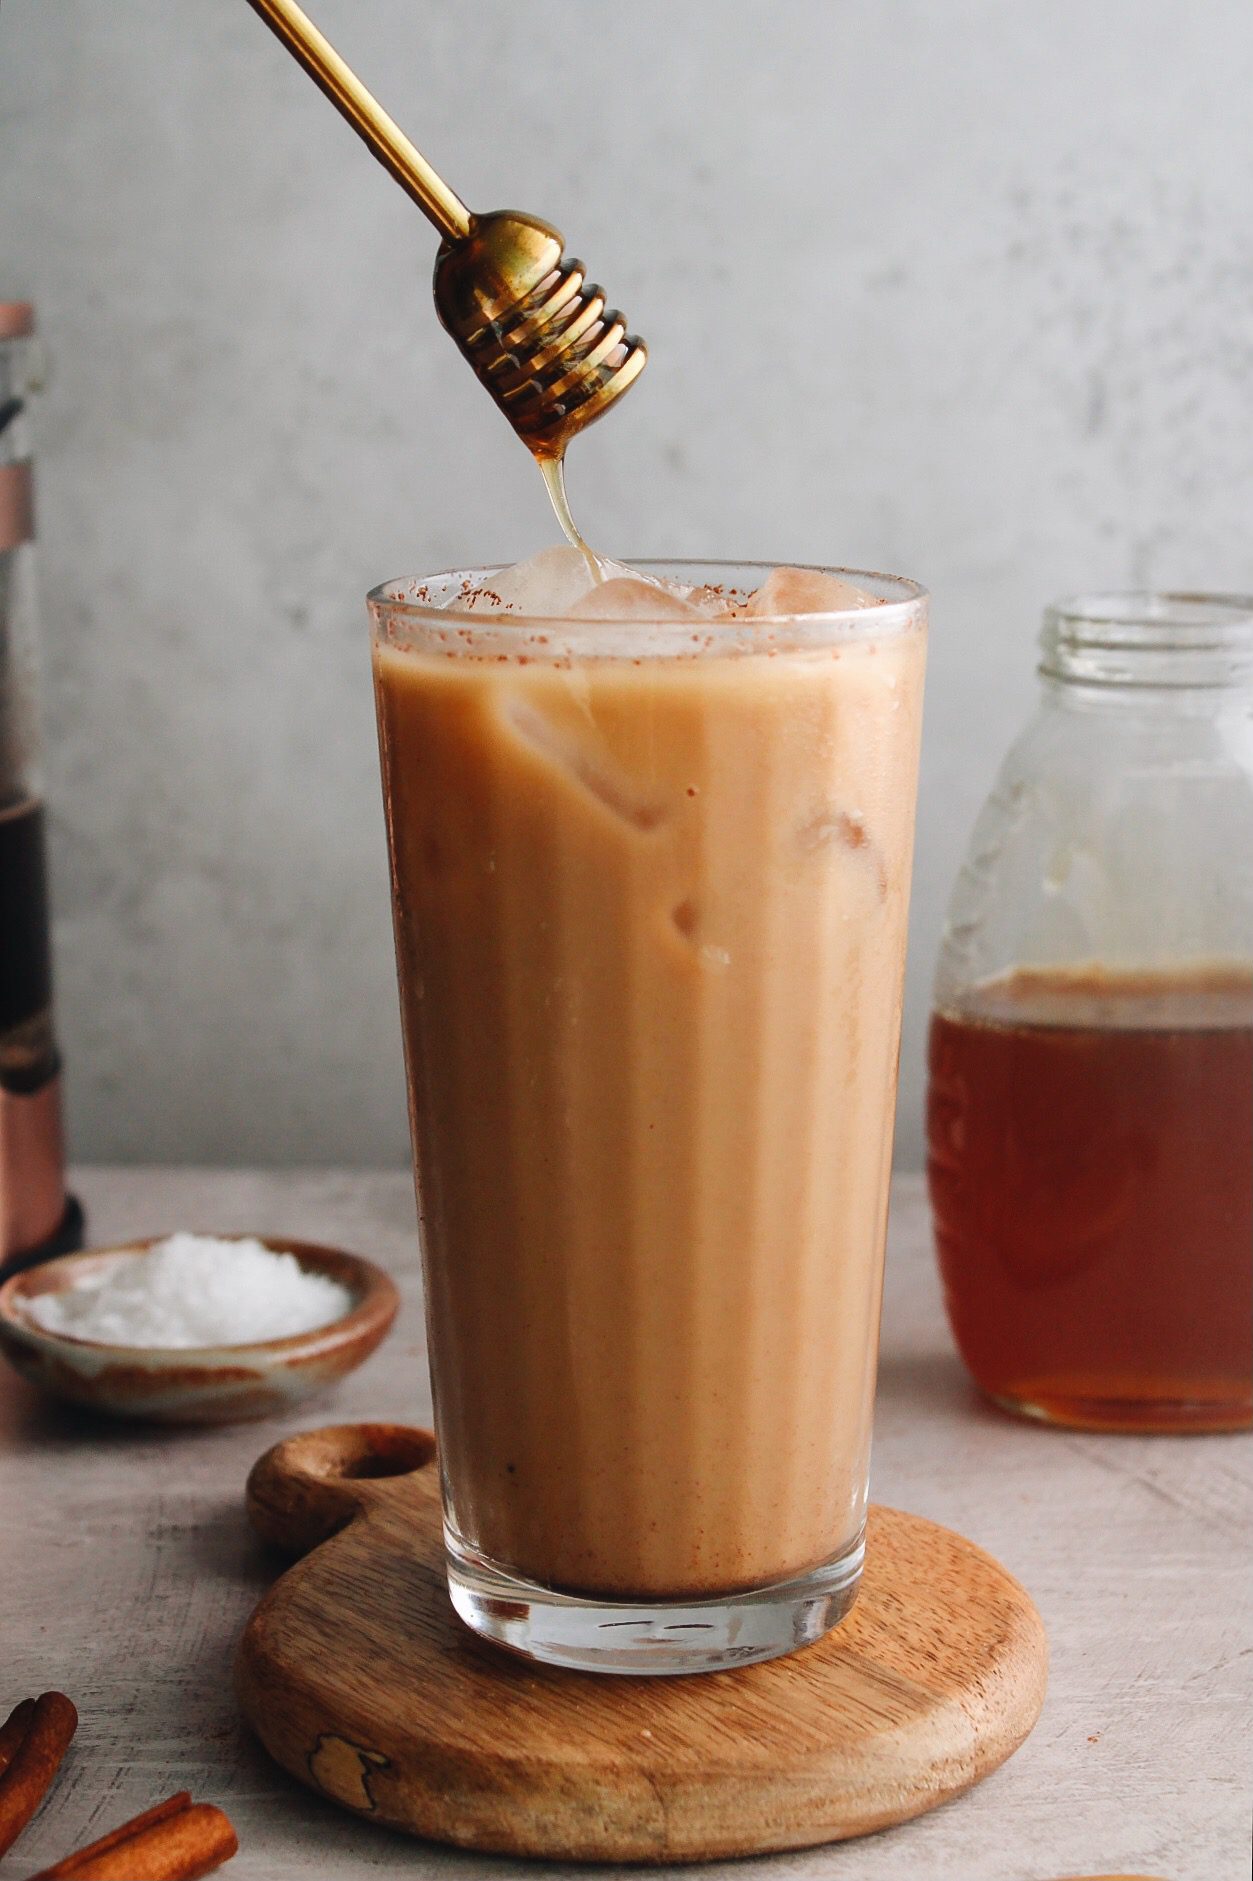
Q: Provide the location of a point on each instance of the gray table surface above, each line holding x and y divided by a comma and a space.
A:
127, 1573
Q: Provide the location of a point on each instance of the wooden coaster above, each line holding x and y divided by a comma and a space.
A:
358, 1678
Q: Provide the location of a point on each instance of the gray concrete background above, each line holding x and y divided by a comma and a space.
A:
960, 288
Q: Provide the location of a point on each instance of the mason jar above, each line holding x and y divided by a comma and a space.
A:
1090, 1107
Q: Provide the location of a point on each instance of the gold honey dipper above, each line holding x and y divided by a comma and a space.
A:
538, 337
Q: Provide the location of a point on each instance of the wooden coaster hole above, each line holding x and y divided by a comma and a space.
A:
400, 1454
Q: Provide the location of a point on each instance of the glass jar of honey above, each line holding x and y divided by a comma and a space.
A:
1090, 1105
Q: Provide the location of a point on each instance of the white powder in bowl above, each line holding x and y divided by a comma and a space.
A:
194, 1290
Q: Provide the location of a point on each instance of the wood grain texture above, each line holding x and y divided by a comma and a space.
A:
360, 1680
130, 1571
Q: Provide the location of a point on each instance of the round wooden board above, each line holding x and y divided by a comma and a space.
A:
360, 1680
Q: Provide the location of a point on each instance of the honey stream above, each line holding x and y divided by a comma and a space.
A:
553, 471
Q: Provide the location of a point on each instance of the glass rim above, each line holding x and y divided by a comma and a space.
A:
895, 612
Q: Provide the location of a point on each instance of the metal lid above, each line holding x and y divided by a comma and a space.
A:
17, 319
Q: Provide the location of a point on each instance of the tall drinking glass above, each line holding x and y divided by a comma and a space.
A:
650, 889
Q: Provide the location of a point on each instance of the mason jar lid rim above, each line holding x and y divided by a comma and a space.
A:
1151, 618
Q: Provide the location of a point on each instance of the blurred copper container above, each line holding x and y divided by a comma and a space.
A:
36, 1217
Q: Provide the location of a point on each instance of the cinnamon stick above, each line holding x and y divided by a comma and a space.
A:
73, 1864
13, 1731
178, 1840
34, 1760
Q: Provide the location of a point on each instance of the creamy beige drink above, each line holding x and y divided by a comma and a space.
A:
651, 885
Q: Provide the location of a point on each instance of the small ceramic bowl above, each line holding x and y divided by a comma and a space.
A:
194, 1384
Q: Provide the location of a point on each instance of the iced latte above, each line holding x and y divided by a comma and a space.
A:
650, 845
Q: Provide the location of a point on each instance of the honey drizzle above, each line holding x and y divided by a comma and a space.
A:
553, 471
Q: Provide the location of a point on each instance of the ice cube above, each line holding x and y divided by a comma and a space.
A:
543, 587
547, 586
830, 830
788, 591
596, 771
630, 597
716, 602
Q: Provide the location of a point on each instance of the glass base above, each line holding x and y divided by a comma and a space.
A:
1130, 1416
649, 1638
